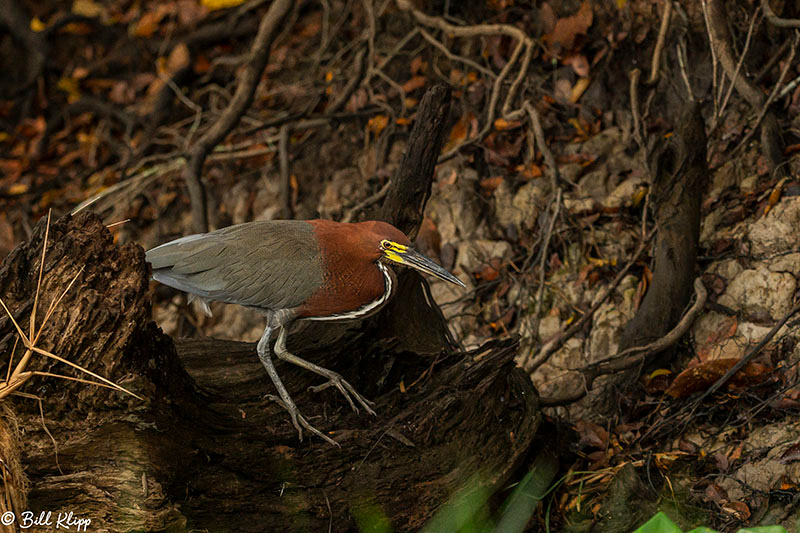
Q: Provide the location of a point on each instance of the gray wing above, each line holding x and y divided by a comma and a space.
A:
270, 265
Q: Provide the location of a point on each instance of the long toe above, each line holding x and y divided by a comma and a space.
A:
317, 432
347, 390
299, 421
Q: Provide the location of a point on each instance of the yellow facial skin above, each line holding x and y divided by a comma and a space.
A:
407, 256
392, 251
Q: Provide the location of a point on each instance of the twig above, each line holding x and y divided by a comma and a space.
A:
714, 60
198, 111
392, 53
369, 200
789, 87
633, 356
512, 91
352, 84
283, 156
541, 143
543, 259
136, 183
681, 50
245, 89
455, 57
46, 430
304, 120
370, 32
635, 74
772, 95
326, 23
724, 104
775, 20
523, 43
720, 38
662, 34
771, 63
396, 86
546, 351
749, 355
41, 271
552, 171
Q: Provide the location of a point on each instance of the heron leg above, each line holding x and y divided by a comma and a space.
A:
298, 420
334, 379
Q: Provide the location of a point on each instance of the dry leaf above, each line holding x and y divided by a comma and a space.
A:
775, 195
37, 25
201, 64
418, 66
529, 171
501, 124
459, 131
71, 87
725, 331
414, 83
221, 4
639, 195
149, 22
547, 17
579, 64
716, 493
87, 8
377, 123
491, 271
190, 12
591, 434
179, 58
563, 90
17, 189
567, 29
490, 184
702, 376
578, 89
739, 510
429, 240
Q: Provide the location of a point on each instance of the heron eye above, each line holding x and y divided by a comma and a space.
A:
386, 245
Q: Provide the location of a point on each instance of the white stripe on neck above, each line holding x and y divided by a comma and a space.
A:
364, 310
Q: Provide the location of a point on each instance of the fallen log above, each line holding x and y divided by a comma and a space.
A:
204, 449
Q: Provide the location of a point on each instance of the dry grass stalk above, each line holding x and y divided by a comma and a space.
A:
17, 377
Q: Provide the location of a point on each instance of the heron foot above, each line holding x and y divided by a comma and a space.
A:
334, 379
347, 390
299, 421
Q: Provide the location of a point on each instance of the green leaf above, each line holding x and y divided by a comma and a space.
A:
660, 523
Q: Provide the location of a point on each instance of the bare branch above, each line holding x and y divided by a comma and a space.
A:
775, 20
633, 356
245, 89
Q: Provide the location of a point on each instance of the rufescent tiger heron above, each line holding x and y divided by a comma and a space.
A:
290, 270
